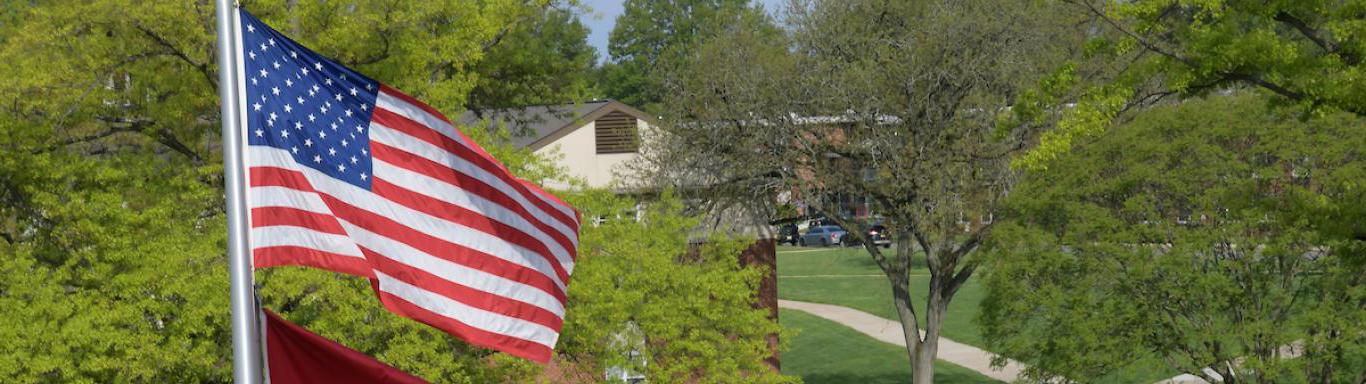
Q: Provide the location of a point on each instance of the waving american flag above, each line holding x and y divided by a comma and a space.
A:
349, 175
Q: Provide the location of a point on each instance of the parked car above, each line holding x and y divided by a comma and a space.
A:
879, 236
788, 234
825, 235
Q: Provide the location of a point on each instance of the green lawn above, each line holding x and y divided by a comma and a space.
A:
826, 352
841, 276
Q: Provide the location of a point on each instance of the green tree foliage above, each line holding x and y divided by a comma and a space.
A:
544, 60
1199, 233
1308, 53
686, 307
651, 37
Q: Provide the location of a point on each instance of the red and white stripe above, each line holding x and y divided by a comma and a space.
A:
449, 236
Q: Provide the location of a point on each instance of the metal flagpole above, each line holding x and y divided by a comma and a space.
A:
246, 352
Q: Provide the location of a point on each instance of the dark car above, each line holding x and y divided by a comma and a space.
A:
788, 234
878, 235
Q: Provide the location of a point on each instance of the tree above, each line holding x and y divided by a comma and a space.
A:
1308, 53
888, 101
111, 226
650, 37
647, 298
544, 60
1185, 235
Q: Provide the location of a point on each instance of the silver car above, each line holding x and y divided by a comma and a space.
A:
825, 235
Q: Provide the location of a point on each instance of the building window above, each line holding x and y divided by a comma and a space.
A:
616, 133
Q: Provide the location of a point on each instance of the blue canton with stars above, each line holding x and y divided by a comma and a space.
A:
301, 102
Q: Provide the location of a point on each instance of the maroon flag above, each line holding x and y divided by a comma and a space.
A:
296, 356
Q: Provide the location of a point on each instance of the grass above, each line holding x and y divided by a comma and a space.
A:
826, 352
849, 277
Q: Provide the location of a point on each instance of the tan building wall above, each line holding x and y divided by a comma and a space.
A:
577, 153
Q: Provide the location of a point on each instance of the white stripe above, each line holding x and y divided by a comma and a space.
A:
388, 136
276, 236
413, 219
474, 317
273, 196
443, 191
412, 112
453, 272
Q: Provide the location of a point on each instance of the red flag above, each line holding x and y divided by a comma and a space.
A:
296, 356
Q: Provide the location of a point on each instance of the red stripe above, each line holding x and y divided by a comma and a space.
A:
507, 344
294, 217
421, 132
308, 257
432, 169
275, 176
441, 248
469, 296
474, 220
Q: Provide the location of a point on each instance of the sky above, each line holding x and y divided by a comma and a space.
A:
603, 16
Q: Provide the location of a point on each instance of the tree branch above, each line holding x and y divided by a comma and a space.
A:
202, 67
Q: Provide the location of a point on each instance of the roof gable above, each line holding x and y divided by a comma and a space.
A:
537, 126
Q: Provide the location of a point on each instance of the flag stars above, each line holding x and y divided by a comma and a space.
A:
308, 142
263, 47
299, 100
332, 151
304, 70
317, 159
311, 118
334, 126
364, 107
288, 108
322, 135
284, 134
289, 83
260, 133
341, 167
318, 66
353, 91
327, 81
363, 176
323, 109
354, 160
275, 91
276, 64
263, 74
293, 54
348, 113
343, 142
251, 28
256, 106
273, 116
298, 125
272, 41
294, 149
251, 54
338, 96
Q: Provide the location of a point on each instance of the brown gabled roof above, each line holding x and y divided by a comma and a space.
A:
536, 126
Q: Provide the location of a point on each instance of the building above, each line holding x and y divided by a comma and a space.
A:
592, 140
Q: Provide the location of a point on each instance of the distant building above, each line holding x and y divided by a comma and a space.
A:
594, 139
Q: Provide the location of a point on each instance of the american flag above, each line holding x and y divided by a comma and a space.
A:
352, 176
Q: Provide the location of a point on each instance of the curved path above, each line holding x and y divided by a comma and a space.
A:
889, 331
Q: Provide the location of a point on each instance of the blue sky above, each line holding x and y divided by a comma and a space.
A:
604, 15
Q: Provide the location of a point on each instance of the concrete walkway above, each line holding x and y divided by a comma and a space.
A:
889, 331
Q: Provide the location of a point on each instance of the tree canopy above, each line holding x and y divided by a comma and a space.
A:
1308, 53
650, 39
1193, 234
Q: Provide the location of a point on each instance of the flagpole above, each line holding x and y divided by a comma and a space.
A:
246, 351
